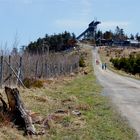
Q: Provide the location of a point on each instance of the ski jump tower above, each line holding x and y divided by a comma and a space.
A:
89, 33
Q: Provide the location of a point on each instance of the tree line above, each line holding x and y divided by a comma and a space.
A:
53, 43
118, 34
129, 65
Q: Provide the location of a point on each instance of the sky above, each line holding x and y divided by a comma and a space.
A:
23, 21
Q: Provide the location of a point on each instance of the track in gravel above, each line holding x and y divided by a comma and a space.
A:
124, 92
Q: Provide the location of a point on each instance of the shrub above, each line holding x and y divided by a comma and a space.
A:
37, 83
27, 82
31, 82
130, 64
82, 62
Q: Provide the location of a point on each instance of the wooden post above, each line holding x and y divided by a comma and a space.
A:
46, 70
1, 71
10, 73
36, 69
19, 71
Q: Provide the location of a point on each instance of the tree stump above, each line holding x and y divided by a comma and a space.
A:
17, 111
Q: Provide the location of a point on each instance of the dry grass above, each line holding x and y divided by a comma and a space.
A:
106, 53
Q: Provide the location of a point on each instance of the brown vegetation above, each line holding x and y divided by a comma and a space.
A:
29, 68
125, 59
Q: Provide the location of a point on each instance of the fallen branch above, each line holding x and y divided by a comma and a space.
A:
15, 74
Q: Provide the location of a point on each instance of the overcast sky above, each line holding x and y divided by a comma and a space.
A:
28, 20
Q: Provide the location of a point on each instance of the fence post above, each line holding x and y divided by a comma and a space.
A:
46, 70
1, 71
36, 69
10, 73
19, 71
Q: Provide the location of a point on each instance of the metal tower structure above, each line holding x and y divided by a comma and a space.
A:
89, 33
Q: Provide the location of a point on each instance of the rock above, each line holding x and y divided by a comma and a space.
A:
76, 112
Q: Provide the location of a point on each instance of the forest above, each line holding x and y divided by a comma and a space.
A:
54, 43
117, 34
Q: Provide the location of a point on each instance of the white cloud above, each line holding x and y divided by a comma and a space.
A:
86, 7
71, 24
27, 1
112, 24
86, 3
83, 24
83, 8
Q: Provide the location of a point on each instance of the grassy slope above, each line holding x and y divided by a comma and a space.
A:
97, 122
105, 58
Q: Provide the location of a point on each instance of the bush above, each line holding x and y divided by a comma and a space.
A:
111, 59
130, 64
82, 62
37, 83
31, 82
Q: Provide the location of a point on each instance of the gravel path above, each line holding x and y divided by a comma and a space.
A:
124, 92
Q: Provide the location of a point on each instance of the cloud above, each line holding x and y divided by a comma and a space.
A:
86, 7
86, 3
27, 1
83, 24
83, 8
71, 24
112, 24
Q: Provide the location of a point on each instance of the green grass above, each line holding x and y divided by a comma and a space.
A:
101, 122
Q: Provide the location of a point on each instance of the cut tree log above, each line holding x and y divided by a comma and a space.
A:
17, 113
17, 108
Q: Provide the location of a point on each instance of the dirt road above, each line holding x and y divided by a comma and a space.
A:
124, 92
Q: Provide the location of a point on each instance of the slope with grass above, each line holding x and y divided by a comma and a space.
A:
108, 53
97, 119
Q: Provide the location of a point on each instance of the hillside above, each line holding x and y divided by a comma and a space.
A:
123, 60
74, 109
